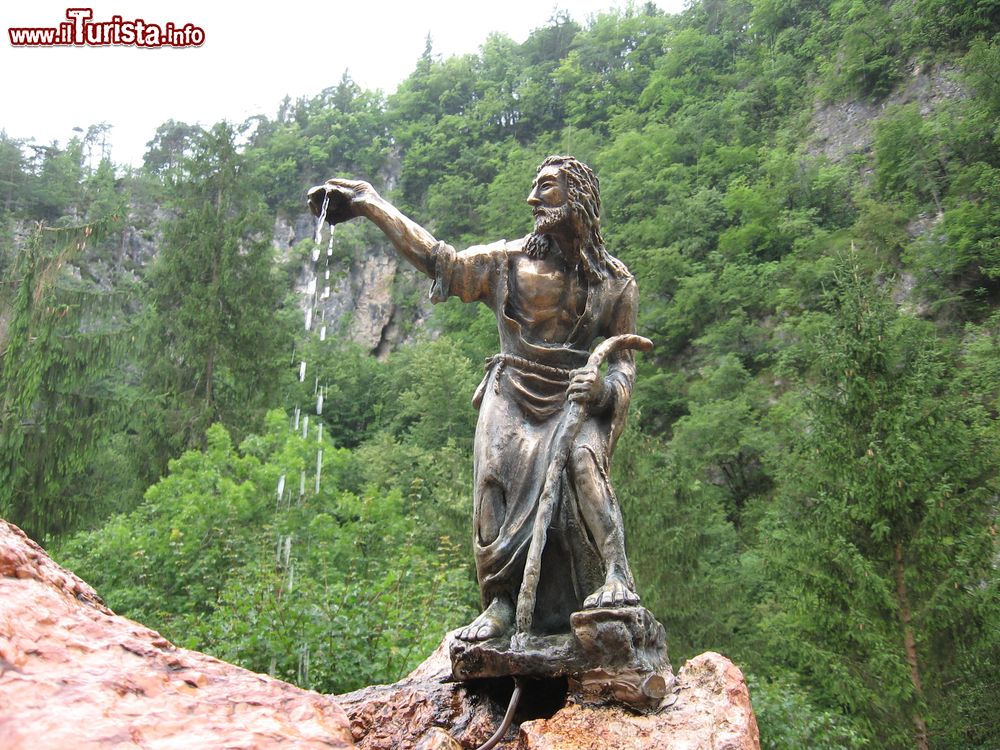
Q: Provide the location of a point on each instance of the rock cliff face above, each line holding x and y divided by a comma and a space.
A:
843, 128
75, 675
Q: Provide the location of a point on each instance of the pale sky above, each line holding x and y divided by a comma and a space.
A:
249, 61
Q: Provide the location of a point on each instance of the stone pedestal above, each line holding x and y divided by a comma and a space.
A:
611, 654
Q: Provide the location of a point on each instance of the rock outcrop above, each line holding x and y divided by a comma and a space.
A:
708, 709
73, 674
842, 128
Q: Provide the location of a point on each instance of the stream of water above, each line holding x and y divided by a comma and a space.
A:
283, 550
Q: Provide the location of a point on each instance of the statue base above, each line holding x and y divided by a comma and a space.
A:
611, 654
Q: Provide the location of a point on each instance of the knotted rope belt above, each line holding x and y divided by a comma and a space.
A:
503, 360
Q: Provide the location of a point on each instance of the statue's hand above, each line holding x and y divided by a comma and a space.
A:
586, 386
346, 199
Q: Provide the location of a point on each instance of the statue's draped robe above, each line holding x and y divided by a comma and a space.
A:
520, 404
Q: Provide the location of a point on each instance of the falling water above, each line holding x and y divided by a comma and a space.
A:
281, 490
283, 549
312, 310
303, 677
311, 286
321, 217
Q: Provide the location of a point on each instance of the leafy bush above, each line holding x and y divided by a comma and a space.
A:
332, 589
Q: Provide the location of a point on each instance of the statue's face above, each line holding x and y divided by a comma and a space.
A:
549, 200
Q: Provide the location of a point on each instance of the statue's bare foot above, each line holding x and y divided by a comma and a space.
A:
614, 593
496, 620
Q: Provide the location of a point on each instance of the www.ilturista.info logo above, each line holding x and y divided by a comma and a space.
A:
81, 31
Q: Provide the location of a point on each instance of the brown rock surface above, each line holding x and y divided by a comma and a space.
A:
404, 715
75, 675
708, 710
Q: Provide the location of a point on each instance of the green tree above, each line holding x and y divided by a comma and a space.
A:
909, 162
170, 149
55, 190
62, 347
681, 547
12, 174
880, 538
868, 60
214, 336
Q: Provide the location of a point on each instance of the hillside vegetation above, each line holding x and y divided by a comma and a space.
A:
808, 193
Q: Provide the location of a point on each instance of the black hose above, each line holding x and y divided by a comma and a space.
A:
507, 718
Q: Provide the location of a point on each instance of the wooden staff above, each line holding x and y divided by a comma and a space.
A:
569, 427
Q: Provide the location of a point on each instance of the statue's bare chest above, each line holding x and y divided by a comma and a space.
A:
546, 299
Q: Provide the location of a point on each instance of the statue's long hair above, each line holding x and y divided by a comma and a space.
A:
584, 191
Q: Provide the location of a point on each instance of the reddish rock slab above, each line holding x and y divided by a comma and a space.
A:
75, 675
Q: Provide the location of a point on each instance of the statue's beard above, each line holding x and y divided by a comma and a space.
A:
593, 258
547, 219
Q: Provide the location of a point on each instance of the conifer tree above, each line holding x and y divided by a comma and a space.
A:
881, 537
62, 346
214, 334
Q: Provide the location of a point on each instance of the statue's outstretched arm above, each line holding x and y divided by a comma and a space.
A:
352, 198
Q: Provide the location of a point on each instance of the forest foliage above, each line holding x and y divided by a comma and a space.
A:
809, 477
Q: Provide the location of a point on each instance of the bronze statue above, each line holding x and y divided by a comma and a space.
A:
555, 294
